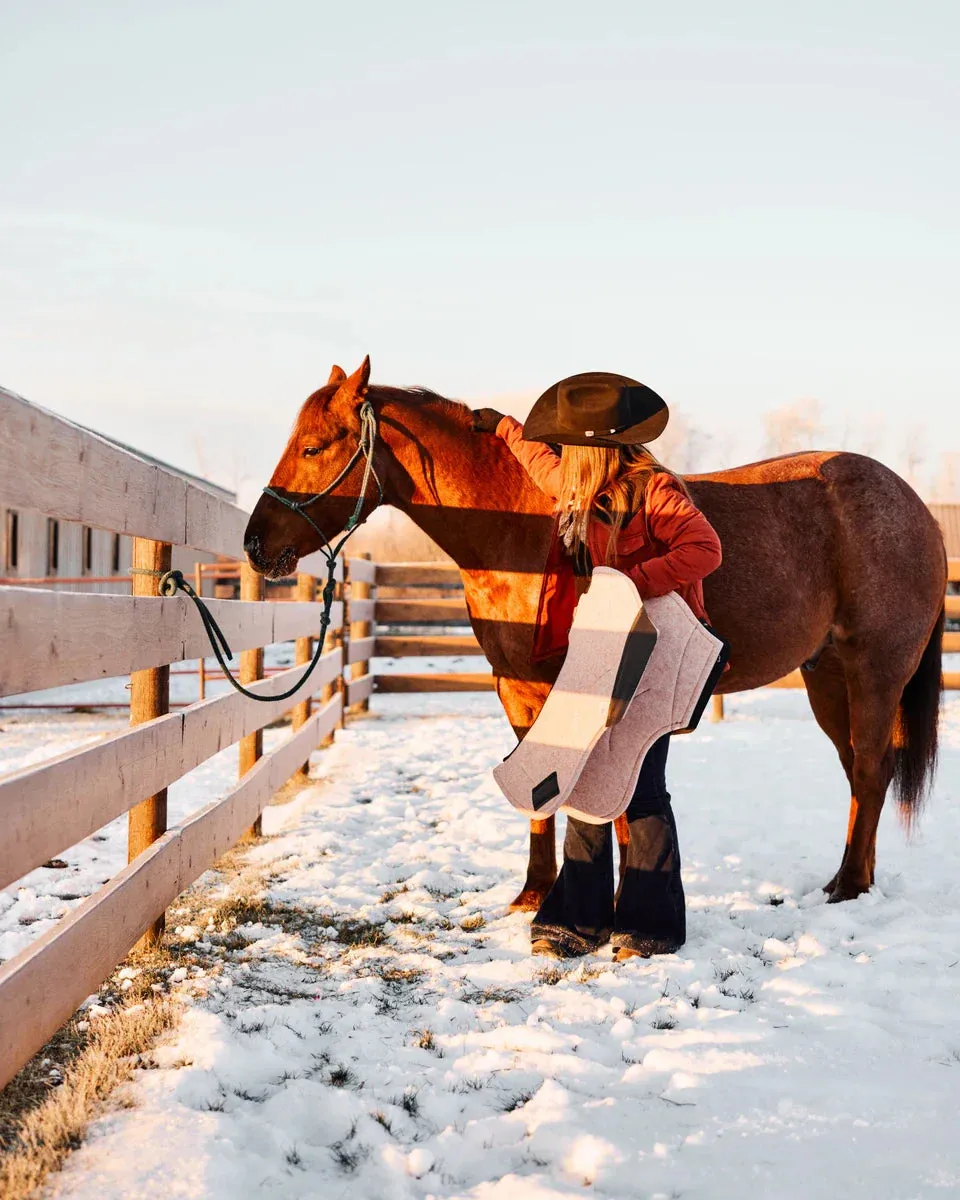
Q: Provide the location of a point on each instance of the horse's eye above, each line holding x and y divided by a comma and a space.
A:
311, 451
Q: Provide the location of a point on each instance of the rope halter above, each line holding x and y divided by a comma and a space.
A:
171, 582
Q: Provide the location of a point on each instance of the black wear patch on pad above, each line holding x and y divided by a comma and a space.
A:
640, 643
545, 791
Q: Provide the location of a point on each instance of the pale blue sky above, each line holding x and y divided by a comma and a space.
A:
744, 204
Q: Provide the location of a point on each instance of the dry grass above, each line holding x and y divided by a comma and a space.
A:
40, 1124
46, 1108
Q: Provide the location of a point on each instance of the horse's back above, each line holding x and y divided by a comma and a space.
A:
811, 542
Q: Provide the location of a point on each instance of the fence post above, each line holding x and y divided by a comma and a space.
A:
149, 698
360, 590
334, 639
252, 587
306, 590
717, 709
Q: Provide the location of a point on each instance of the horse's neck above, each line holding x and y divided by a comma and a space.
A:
465, 491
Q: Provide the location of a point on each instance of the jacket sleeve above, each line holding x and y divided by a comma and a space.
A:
692, 545
537, 459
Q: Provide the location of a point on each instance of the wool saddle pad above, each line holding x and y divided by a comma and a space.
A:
633, 671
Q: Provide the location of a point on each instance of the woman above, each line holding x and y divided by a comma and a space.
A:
618, 506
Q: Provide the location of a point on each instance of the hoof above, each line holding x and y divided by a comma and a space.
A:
839, 890
529, 900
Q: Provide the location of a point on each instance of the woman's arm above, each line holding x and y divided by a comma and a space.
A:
693, 548
537, 459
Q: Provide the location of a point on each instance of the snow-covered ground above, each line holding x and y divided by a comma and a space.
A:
401, 1042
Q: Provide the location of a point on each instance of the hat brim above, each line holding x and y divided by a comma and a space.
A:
542, 425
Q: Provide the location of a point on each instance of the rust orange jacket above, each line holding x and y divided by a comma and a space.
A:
668, 547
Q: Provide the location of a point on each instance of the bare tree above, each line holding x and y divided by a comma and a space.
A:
946, 486
792, 427
914, 456
683, 446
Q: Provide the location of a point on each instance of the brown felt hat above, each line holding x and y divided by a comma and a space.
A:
597, 408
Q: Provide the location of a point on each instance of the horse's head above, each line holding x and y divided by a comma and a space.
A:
324, 440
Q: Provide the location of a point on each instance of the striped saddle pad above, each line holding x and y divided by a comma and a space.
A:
634, 670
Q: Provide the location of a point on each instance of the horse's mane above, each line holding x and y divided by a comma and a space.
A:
454, 409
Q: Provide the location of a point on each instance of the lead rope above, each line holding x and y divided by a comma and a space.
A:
171, 582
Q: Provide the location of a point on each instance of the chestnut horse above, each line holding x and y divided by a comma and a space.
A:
830, 562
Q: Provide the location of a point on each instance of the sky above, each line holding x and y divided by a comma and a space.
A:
748, 206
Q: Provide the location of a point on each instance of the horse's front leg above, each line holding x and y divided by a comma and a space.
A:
541, 867
522, 700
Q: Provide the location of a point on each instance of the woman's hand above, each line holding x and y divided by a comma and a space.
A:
486, 420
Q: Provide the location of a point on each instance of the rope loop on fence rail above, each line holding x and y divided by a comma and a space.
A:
172, 582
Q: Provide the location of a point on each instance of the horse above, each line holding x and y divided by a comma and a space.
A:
831, 563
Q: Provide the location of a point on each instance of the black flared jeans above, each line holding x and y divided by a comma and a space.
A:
648, 912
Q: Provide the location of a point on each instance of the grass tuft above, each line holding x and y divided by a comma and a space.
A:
342, 1076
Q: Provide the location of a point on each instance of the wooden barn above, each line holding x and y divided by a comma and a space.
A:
35, 547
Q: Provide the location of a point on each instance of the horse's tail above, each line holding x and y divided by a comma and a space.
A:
915, 739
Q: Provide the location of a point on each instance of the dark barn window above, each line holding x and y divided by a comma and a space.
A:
13, 540
87, 548
115, 559
53, 545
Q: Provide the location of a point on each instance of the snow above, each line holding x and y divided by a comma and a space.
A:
791, 1049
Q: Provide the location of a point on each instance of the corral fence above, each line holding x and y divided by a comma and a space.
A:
417, 610
51, 638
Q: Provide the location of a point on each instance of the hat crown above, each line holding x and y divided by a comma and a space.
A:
594, 407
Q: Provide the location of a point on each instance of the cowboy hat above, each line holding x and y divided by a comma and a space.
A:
597, 408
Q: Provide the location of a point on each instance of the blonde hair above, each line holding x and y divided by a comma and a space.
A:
611, 480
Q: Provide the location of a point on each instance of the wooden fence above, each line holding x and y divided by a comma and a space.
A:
50, 639
418, 610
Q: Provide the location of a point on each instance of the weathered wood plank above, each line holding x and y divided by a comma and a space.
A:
315, 564
361, 570
360, 649
442, 644
422, 612
952, 606
953, 570
461, 682
49, 639
58, 468
403, 574
359, 689
360, 610
212, 524
47, 808
951, 643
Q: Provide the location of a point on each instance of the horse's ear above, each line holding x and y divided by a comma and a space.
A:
356, 385
337, 375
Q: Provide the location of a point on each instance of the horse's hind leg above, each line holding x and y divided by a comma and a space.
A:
826, 686
874, 688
